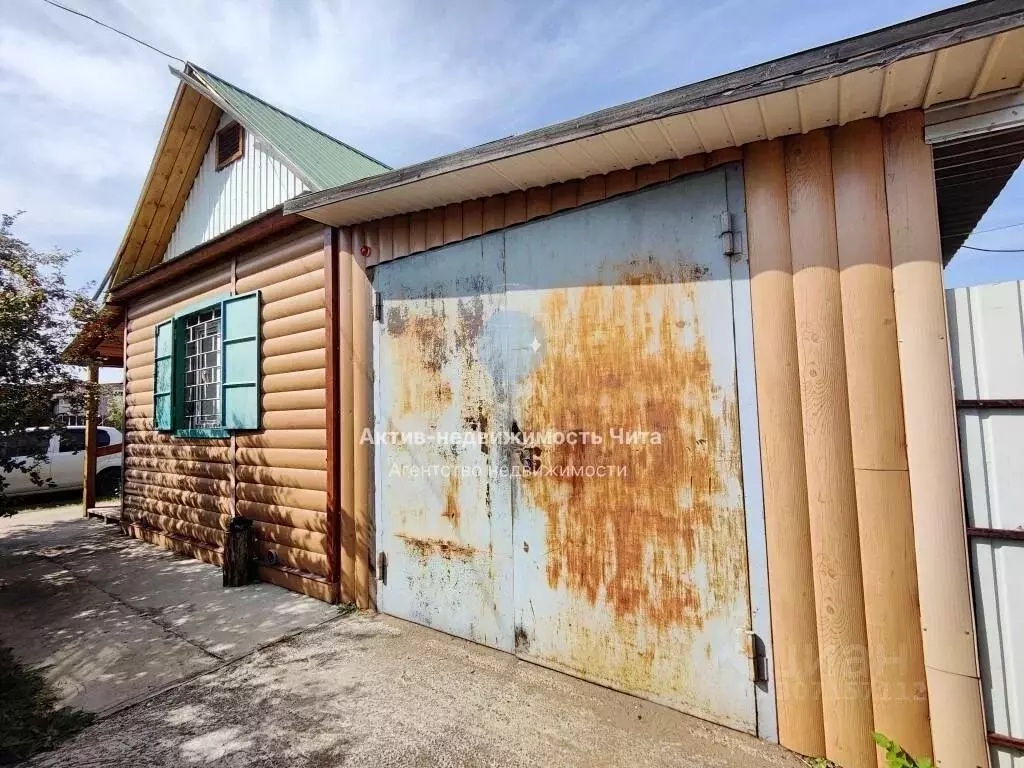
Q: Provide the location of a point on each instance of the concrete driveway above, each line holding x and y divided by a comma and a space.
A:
119, 620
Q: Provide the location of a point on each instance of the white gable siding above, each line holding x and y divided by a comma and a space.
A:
221, 200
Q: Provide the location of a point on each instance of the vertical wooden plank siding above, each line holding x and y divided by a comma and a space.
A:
362, 400
947, 621
838, 585
787, 522
394, 237
331, 403
885, 520
347, 445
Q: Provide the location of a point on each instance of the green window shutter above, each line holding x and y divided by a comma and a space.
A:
163, 376
240, 361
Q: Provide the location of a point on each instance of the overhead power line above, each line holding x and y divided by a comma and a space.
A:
113, 29
993, 250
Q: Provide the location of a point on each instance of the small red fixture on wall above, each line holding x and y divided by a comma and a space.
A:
364, 251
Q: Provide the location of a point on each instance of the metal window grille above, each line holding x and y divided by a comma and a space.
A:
202, 369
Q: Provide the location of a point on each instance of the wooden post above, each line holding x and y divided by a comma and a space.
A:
838, 587
885, 520
346, 436
331, 403
787, 524
362, 402
89, 468
947, 621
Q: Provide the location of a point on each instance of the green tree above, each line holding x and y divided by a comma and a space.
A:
39, 315
115, 413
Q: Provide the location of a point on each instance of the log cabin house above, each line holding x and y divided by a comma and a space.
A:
720, 308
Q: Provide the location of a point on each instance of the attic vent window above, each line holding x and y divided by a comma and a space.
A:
230, 144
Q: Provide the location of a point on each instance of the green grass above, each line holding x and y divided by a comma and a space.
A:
30, 720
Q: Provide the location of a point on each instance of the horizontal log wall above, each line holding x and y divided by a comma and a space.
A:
383, 240
181, 493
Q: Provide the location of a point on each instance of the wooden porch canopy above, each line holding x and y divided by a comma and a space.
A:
100, 342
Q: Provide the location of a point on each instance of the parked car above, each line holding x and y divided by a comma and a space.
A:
64, 465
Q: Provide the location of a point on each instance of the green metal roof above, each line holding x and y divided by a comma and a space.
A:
321, 161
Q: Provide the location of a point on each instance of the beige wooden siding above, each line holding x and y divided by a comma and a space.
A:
182, 493
383, 240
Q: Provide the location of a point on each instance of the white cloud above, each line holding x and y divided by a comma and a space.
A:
81, 108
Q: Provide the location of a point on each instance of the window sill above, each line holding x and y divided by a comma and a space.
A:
212, 433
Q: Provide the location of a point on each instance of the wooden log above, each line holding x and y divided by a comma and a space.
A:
313, 418
313, 320
292, 517
239, 553
292, 305
620, 182
592, 189
362, 400
292, 557
538, 202
472, 218
296, 538
452, 223
295, 286
210, 469
884, 514
284, 438
787, 520
295, 400
177, 497
182, 482
192, 531
947, 622
313, 479
208, 518
310, 261
300, 248
346, 440
150, 437
160, 305
300, 498
435, 228
296, 582
182, 452
296, 342
515, 208
91, 420
295, 381
832, 502
494, 213
400, 233
297, 361
283, 457
144, 397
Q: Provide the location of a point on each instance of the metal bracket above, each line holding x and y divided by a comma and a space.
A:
760, 659
382, 567
728, 235
378, 307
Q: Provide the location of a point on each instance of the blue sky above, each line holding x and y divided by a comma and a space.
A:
402, 80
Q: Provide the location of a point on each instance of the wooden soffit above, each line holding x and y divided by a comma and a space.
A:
187, 132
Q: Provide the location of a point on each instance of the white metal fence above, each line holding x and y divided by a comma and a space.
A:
987, 341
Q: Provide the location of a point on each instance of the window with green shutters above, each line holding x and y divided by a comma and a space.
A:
206, 368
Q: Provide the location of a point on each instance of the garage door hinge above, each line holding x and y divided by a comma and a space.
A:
760, 659
382, 567
729, 235
378, 307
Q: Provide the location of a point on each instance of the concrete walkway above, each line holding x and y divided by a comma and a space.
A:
113, 619
117, 620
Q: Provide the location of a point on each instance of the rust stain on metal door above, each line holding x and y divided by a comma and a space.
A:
631, 562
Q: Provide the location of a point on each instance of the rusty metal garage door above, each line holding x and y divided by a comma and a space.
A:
605, 535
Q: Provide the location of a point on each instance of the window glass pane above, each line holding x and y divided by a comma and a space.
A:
102, 438
32, 443
72, 440
202, 369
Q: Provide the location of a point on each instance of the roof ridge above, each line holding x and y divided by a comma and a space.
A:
206, 73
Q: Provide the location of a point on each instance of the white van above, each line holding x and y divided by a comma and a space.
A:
64, 465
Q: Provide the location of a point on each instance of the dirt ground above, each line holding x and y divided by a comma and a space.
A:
342, 689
